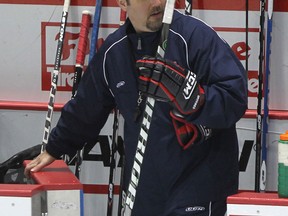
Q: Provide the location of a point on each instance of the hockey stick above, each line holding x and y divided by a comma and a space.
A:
147, 117
113, 152
188, 7
80, 59
95, 30
55, 74
81, 51
266, 93
247, 36
259, 98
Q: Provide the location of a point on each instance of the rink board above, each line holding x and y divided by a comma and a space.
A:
257, 204
55, 190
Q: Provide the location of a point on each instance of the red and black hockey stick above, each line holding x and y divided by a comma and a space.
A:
80, 60
56, 71
82, 48
147, 117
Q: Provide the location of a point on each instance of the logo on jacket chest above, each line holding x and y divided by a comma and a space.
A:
120, 84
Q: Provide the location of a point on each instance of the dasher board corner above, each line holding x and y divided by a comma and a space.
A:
257, 204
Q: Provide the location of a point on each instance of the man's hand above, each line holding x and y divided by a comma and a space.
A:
189, 134
41, 161
166, 81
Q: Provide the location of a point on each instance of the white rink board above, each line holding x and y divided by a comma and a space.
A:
24, 206
256, 210
21, 76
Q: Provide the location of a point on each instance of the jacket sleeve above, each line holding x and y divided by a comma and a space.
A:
222, 76
83, 117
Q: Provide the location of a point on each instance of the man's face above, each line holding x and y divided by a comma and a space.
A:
146, 15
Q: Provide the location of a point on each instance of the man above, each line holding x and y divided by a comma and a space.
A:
190, 164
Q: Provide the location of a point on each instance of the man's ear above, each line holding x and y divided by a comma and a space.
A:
122, 4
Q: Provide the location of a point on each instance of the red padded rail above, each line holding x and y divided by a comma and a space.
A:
19, 190
20, 105
56, 176
253, 198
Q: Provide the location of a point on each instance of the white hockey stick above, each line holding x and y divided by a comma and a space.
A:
55, 74
147, 117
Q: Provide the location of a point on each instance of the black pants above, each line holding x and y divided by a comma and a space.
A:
217, 208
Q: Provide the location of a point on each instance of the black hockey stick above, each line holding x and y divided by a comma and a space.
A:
121, 199
266, 97
247, 36
113, 152
259, 98
80, 60
188, 7
55, 74
147, 117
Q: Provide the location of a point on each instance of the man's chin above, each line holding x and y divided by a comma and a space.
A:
154, 26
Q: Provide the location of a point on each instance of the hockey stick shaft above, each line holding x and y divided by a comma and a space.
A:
112, 163
147, 118
113, 153
80, 60
188, 7
247, 36
266, 95
259, 98
95, 29
55, 74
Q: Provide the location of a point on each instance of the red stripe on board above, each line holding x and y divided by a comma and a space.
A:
225, 5
108, 3
20, 105
273, 114
19, 190
253, 198
279, 5
99, 189
232, 29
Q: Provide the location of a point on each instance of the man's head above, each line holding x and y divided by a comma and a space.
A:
145, 15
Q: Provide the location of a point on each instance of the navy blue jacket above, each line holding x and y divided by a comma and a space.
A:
171, 178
